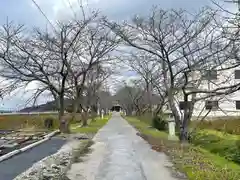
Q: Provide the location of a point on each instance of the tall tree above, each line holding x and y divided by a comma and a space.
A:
97, 46
182, 44
48, 58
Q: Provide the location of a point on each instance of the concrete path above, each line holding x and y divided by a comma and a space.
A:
10, 168
119, 154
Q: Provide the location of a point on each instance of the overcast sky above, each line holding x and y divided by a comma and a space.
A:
25, 12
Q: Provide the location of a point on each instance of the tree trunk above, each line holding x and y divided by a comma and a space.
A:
183, 135
129, 111
94, 112
188, 110
75, 109
149, 95
64, 123
84, 118
176, 115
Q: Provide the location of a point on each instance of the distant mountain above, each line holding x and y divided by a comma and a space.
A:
105, 100
49, 106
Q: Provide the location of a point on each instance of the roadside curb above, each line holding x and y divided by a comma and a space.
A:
8, 155
53, 166
18, 151
33, 145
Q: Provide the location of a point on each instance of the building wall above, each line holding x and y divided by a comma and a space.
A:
227, 104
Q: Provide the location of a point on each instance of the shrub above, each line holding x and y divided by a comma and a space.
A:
159, 123
48, 123
198, 139
236, 156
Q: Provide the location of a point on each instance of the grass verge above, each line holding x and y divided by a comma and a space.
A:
78, 153
196, 162
81, 151
145, 128
92, 128
223, 144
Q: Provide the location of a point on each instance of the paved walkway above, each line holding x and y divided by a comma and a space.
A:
10, 168
119, 154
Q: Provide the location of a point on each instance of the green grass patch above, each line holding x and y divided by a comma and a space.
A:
145, 128
92, 128
200, 164
196, 162
225, 145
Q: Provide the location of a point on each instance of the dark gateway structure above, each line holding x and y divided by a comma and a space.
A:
116, 107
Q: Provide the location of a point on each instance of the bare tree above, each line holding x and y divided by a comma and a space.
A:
145, 67
97, 46
133, 97
34, 59
93, 86
43, 57
182, 44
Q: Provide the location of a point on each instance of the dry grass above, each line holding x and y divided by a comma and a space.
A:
31, 121
228, 125
26, 121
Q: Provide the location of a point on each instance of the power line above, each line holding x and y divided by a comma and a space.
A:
39, 8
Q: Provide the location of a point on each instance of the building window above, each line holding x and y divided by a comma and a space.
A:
210, 75
237, 74
237, 104
211, 105
183, 105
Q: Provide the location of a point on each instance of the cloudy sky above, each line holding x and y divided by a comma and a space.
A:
26, 12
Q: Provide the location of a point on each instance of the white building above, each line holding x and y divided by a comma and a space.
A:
225, 105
